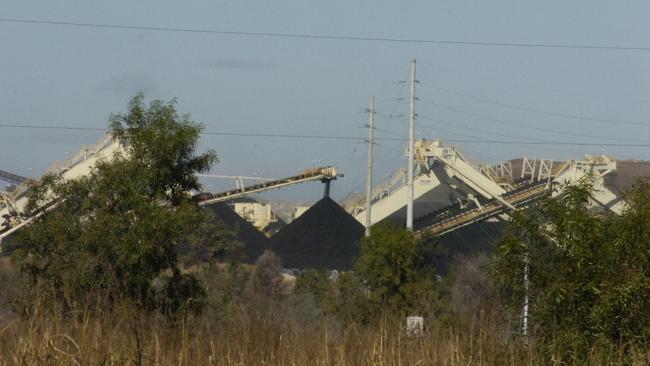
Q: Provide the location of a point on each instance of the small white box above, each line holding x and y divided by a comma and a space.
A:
414, 326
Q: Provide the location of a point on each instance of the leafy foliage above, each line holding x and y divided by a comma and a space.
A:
114, 231
589, 272
210, 240
164, 143
344, 298
472, 293
394, 266
266, 280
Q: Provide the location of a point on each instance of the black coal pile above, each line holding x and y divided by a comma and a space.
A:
325, 236
274, 227
468, 241
627, 173
253, 240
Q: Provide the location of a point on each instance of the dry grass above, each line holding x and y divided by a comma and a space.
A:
121, 338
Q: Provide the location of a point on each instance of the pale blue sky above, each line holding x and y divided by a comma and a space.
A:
58, 75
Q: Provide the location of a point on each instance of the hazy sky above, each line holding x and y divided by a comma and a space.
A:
73, 76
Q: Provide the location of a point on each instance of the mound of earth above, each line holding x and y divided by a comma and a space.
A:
274, 227
254, 241
325, 236
628, 171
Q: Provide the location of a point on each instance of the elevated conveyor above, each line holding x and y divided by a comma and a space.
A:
455, 217
444, 176
12, 206
323, 174
12, 178
475, 193
14, 213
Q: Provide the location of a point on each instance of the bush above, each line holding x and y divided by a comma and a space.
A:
114, 231
395, 268
589, 273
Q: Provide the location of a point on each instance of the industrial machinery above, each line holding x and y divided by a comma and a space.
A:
450, 192
13, 204
323, 174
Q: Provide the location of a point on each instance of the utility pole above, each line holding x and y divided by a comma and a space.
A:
371, 127
411, 156
525, 308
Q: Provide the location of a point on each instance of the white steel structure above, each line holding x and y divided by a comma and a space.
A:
451, 193
600, 168
13, 215
323, 174
12, 206
443, 177
257, 213
298, 211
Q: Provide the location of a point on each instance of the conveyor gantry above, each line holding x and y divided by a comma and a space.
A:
12, 178
13, 213
324, 174
480, 193
454, 217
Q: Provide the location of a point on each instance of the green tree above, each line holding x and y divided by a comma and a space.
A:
315, 283
211, 240
589, 273
344, 298
113, 233
266, 287
395, 267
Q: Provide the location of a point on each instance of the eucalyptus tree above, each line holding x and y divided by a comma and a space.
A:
113, 233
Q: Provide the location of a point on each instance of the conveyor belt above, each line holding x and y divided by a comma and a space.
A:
453, 217
322, 173
12, 178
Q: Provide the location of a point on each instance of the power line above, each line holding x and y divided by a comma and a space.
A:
353, 138
361, 138
474, 129
387, 147
44, 127
526, 109
392, 133
510, 123
437, 128
327, 36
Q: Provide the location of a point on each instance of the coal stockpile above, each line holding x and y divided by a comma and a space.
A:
628, 172
275, 227
470, 240
324, 237
253, 240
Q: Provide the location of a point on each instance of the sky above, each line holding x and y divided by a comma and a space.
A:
54, 75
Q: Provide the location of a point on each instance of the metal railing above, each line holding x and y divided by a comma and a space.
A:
323, 173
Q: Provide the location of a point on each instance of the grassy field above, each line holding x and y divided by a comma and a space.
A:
118, 338
123, 338
292, 331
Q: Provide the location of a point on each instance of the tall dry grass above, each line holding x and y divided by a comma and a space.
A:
125, 337
236, 332
122, 337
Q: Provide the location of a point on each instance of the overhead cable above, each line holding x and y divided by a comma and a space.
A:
532, 110
353, 138
224, 32
521, 125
